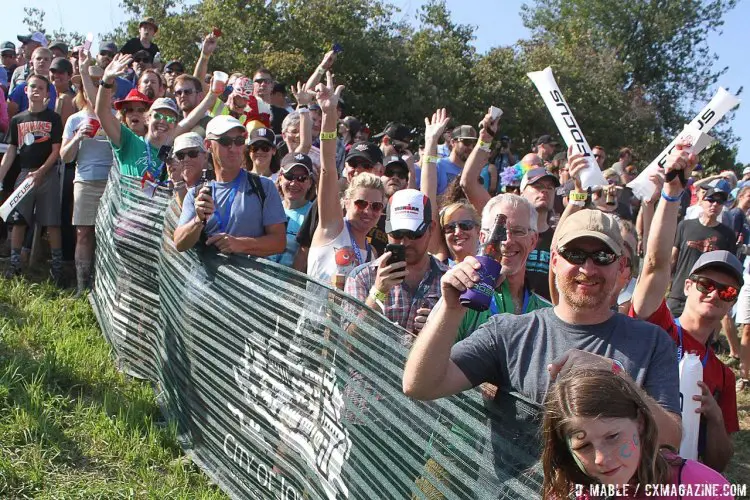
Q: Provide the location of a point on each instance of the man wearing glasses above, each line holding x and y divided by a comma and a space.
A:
463, 140
711, 289
600, 156
231, 212
525, 353
187, 92
107, 51
263, 84
400, 288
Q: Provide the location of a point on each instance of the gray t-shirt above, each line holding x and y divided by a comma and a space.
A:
513, 352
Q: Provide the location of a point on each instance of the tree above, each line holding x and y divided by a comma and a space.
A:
34, 20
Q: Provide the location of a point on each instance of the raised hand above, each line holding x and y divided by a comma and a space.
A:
302, 95
577, 163
435, 127
328, 60
84, 59
677, 169
327, 96
117, 67
209, 44
488, 127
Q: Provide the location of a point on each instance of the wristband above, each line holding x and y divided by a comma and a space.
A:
484, 146
107, 85
378, 297
301, 106
431, 159
671, 198
327, 136
320, 70
617, 367
576, 203
576, 196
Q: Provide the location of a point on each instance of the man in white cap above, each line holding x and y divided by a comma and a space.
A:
138, 156
239, 212
189, 158
29, 44
401, 286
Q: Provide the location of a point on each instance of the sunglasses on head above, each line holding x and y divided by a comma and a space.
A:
464, 225
193, 153
227, 141
263, 147
166, 118
401, 234
184, 92
299, 178
578, 257
376, 206
727, 293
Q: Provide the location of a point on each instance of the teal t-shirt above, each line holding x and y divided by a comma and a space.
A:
501, 303
294, 219
132, 156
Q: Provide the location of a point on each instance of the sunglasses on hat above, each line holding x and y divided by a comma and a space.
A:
464, 225
299, 178
727, 293
377, 206
193, 153
579, 257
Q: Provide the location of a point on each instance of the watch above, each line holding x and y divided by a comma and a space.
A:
107, 85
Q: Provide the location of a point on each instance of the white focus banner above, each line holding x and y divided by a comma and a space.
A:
15, 198
697, 129
567, 125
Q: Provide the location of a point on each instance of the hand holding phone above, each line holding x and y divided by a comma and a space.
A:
398, 253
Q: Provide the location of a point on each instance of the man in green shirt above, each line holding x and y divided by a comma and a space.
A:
513, 294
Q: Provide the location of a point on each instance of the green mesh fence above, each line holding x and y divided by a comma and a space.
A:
284, 388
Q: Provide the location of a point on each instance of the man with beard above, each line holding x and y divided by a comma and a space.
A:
545, 147
395, 175
187, 93
526, 353
463, 140
711, 289
172, 70
151, 84
538, 186
400, 289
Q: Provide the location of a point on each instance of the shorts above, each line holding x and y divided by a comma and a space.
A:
86, 196
742, 314
42, 204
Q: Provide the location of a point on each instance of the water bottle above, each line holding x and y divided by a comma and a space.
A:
691, 371
479, 296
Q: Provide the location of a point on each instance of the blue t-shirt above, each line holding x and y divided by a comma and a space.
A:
122, 87
294, 219
244, 214
19, 97
446, 172
3, 77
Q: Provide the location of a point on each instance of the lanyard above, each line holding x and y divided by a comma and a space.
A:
355, 246
148, 158
223, 220
493, 305
680, 348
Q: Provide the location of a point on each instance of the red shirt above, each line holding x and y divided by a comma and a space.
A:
718, 377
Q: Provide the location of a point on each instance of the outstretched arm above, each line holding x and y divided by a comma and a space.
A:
328, 59
433, 131
475, 192
304, 97
103, 108
208, 48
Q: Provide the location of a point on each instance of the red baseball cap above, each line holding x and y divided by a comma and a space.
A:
133, 96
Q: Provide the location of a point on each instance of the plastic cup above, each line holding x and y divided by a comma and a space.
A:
219, 82
95, 126
479, 296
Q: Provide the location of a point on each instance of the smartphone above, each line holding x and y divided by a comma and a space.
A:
337, 48
164, 153
398, 253
206, 176
495, 113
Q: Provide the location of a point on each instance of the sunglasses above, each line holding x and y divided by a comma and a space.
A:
705, 286
364, 164
193, 153
578, 257
227, 141
464, 225
265, 148
166, 118
106, 53
299, 178
184, 92
397, 173
469, 142
720, 201
125, 110
141, 60
401, 234
376, 206
261, 81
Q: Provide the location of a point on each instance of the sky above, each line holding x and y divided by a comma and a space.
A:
497, 22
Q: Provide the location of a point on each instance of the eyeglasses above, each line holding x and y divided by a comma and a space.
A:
264, 147
401, 234
579, 257
261, 81
364, 164
106, 53
518, 231
727, 293
193, 153
375, 205
184, 92
227, 141
166, 118
597, 156
464, 225
300, 178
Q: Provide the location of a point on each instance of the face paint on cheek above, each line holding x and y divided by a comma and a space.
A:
627, 449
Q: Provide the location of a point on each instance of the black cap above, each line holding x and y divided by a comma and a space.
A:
279, 88
545, 139
292, 160
367, 150
61, 64
352, 124
61, 46
396, 131
722, 260
108, 46
394, 161
151, 21
143, 53
8, 47
262, 135
174, 66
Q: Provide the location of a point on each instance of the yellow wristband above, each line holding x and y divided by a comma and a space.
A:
377, 294
576, 196
431, 159
327, 136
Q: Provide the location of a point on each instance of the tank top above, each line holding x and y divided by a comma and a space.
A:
337, 257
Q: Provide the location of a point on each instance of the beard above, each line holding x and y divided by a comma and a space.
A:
578, 301
150, 93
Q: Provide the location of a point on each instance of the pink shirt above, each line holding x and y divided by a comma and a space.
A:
4, 119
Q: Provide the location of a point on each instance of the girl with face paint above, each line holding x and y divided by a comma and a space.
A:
598, 430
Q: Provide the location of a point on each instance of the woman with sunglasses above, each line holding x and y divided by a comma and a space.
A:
340, 243
460, 225
711, 289
260, 153
297, 188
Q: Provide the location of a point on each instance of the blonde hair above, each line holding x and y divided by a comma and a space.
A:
364, 180
449, 210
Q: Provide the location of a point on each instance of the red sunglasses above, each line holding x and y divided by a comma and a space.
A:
363, 204
727, 293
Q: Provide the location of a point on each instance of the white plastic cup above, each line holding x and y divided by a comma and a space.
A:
691, 371
219, 82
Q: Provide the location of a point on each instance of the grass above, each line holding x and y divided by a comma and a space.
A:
71, 426
738, 471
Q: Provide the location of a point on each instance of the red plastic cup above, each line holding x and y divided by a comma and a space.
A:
95, 126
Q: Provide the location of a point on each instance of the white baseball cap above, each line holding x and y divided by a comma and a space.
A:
222, 124
409, 210
188, 140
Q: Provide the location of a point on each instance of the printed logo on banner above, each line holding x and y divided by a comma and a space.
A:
303, 407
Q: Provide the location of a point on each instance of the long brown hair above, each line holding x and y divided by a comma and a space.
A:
591, 393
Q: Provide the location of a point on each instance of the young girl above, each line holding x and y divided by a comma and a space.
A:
598, 430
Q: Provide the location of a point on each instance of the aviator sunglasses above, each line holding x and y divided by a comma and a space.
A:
578, 257
377, 206
464, 225
727, 293
299, 178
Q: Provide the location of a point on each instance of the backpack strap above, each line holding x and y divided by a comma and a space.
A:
257, 186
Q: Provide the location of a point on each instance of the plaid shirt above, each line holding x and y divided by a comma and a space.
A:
402, 303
